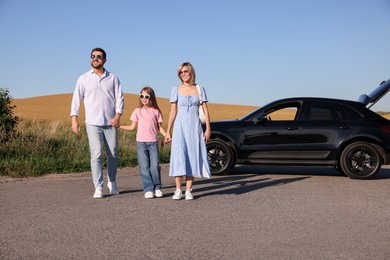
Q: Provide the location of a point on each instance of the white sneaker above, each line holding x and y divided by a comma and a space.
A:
158, 193
189, 195
113, 189
98, 193
177, 195
149, 195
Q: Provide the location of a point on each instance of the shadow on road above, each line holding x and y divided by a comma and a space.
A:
246, 178
129, 191
384, 173
238, 185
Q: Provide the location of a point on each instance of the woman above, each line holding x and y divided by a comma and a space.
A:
188, 150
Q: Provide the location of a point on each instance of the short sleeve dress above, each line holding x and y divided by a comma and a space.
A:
188, 149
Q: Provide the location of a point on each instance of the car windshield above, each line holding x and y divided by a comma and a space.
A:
250, 114
275, 111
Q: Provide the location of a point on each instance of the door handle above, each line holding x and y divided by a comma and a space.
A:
292, 128
344, 127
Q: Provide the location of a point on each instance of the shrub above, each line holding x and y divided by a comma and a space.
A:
8, 120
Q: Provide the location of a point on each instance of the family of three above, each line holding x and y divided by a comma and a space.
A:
101, 92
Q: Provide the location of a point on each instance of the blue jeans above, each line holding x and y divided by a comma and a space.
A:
149, 165
97, 135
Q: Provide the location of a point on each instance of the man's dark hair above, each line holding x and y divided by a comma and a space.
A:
101, 50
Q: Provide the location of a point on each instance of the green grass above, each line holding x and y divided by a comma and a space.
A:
39, 148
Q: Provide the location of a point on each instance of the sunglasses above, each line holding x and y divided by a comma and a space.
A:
99, 57
144, 96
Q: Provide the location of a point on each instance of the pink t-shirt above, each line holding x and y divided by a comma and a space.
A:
147, 120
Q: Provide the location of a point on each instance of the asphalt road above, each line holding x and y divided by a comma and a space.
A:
253, 213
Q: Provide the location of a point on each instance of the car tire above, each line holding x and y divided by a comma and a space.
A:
220, 156
360, 160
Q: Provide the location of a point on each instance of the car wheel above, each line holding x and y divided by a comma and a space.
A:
360, 160
220, 156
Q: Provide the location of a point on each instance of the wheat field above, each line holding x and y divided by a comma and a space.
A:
57, 108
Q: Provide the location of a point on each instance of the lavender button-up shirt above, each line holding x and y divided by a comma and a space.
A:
103, 97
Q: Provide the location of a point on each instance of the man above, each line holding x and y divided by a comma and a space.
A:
103, 102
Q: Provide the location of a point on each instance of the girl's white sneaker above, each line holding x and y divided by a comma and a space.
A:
149, 195
158, 193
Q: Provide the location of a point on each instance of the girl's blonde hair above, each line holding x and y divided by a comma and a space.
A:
191, 68
153, 99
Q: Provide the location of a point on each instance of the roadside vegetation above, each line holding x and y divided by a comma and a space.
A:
41, 147
34, 148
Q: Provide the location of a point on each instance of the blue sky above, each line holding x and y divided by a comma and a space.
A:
244, 52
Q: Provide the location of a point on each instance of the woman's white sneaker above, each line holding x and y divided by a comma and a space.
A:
177, 195
189, 195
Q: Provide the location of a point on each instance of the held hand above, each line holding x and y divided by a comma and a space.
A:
167, 138
115, 122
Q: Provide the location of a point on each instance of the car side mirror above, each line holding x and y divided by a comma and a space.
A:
261, 120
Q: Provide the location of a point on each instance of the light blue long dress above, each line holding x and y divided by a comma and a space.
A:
188, 149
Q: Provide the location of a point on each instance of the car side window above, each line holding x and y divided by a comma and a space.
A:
352, 114
283, 112
324, 111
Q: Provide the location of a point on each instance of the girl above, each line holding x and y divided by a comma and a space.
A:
188, 150
149, 118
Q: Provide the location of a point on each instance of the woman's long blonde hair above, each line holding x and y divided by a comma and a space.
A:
192, 70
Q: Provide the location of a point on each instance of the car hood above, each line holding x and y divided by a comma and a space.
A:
223, 122
217, 126
375, 95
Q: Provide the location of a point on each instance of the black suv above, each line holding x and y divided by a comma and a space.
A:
306, 131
